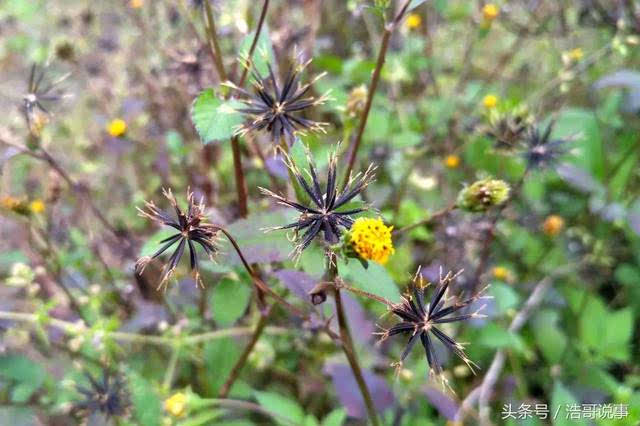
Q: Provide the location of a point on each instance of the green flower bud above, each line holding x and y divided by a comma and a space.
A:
483, 194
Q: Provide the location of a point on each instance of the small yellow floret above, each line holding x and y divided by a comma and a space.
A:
413, 21
501, 273
136, 4
452, 161
176, 404
371, 239
117, 127
490, 101
490, 12
37, 206
576, 54
552, 225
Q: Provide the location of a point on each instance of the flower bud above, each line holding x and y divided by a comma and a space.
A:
483, 194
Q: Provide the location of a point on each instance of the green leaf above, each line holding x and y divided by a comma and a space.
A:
414, 4
263, 53
230, 299
282, 406
495, 337
375, 279
551, 341
335, 418
202, 418
26, 374
153, 243
214, 118
504, 295
560, 398
146, 402
220, 355
582, 125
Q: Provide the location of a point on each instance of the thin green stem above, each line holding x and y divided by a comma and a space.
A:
75, 329
375, 78
216, 54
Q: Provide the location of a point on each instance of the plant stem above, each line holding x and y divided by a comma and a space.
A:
216, 54
237, 368
347, 341
428, 220
254, 43
375, 78
241, 184
75, 329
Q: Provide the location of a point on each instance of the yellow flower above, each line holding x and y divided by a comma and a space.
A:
413, 21
490, 12
501, 273
117, 127
176, 404
490, 101
576, 54
452, 161
371, 239
552, 225
37, 206
136, 4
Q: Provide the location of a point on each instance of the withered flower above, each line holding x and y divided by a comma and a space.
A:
277, 106
541, 150
507, 131
422, 321
192, 227
108, 396
324, 213
39, 94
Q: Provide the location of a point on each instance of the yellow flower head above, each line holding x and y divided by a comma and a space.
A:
117, 127
413, 21
452, 161
501, 273
490, 101
176, 404
490, 12
37, 206
552, 225
371, 239
136, 4
576, 54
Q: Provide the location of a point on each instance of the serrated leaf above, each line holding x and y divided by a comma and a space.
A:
213, 118
146, 402
263, 53
219, 357
26, 374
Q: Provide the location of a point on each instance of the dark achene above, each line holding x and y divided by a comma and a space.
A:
192, 228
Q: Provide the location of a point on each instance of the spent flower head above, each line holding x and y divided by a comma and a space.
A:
108, 396
541, 150
276, 106
326, 214
39, 94
483, 194
370, 239
422, 319
553, 225
192, 227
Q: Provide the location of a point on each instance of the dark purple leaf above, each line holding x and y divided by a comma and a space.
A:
578, 178
147, 315
626, 79
349, 393
446, 406
634, 219
276, 166
300, 283
361, 326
